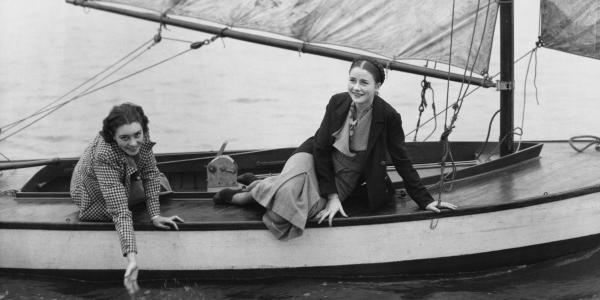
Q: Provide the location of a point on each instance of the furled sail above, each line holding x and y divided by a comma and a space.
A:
571, 26
395, 30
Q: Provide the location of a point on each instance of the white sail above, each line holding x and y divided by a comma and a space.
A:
395, 30
571, 26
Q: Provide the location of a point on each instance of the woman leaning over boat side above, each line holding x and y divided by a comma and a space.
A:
102, 181
356, 135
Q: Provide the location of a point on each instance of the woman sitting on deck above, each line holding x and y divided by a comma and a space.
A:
358, 131
106, 180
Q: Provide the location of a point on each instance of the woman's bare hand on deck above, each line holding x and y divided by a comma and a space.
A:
160, 222
433, 206
333, 206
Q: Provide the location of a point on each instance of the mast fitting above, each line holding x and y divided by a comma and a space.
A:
505, 85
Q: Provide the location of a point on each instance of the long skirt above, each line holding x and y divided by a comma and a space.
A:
294, 194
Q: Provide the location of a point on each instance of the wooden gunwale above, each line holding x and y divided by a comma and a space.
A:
251, 162
27, 163
350, 221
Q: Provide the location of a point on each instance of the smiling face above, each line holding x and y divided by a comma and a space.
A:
362, 86
129, 137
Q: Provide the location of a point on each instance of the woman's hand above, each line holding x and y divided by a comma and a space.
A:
131, 274
160, 222
333, 206
433, 206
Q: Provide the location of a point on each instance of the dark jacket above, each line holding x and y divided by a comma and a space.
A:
385, 136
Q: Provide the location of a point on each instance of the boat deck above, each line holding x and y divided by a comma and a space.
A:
559, 169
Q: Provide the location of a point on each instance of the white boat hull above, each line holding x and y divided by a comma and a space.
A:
488, 239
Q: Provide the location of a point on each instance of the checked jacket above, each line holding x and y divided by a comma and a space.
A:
101, 181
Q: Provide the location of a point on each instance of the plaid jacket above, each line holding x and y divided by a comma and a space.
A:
101, 181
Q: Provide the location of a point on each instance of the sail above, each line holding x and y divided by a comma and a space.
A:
396, 30
571, 26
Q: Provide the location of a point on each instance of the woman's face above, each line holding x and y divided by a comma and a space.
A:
129, 137
362, 86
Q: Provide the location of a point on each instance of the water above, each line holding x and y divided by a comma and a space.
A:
257, 97
574, 277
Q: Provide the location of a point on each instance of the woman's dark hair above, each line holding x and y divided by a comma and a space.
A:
123, 114
372, 66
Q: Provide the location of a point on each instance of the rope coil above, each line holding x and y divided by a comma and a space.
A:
596, 140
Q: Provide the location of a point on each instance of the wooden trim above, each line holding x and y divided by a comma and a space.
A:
351, 221
49, 173
527, 154
28, 163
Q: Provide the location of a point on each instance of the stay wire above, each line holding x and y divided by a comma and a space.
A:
92, 91
471, 92
445, 144
41, 110
448, 129
5, 157
525, 95
461, 99
56, 107
449, 63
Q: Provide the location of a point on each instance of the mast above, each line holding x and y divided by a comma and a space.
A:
289, 45
507, 79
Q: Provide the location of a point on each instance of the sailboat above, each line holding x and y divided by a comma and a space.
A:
514, 208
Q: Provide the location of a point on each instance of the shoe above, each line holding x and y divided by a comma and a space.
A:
225, 196
247, 178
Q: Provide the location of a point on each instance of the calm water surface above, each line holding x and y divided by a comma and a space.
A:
256, 97
574, 277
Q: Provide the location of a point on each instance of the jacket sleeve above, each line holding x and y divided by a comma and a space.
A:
151, 179
322, 150
403, 163
115, 195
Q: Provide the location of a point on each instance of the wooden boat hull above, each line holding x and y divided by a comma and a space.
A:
513, 211
460, 242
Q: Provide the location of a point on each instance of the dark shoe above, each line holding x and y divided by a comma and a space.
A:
247, 178
225, 196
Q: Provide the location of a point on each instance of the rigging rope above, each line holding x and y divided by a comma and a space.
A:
425, 85
471, 92
488, 134
446, 132
43, 109
502, 140
52, 109
534, 51
5, 157
157, 38
86, 92
447, 152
